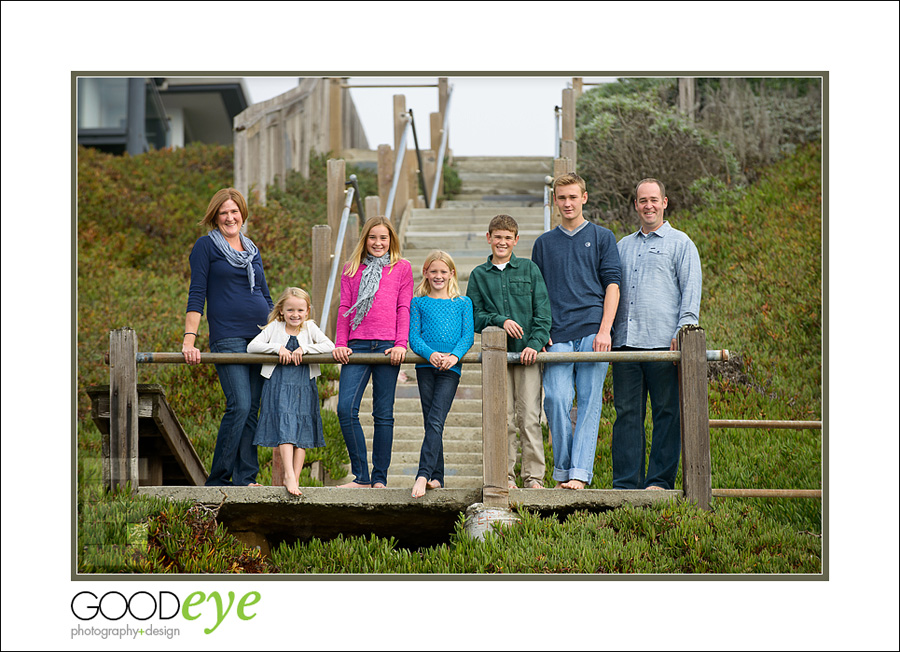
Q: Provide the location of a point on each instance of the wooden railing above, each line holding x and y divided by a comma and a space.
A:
275, 136
691, 358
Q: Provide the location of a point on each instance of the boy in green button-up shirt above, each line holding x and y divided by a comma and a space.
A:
509, 292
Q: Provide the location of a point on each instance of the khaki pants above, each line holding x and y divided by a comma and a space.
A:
523, 408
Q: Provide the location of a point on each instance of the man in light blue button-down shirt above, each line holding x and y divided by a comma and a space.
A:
659, 293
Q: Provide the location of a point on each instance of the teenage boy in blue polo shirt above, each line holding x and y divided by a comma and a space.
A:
509, 292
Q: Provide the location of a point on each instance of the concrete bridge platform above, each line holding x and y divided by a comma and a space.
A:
267, 516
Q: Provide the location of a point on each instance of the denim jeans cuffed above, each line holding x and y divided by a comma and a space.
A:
235, 461
573, 452
632, 383
437, 389
354, 378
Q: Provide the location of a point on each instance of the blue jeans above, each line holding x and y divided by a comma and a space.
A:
354, 378
632, 383
573, 452
437, 388
235, 461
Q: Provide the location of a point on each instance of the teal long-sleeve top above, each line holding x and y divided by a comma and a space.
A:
442, 325
517, 292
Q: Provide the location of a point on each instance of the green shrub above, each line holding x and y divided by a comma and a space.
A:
665, 538
123, 533
622, 139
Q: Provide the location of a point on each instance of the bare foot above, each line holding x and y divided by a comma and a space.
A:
418, 489
254, 484
653, 487
534, 484
354, 485
511, 484
378, 485
572, 484
433, 484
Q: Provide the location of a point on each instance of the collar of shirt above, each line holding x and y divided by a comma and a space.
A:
576, 230
661, 232
512, 262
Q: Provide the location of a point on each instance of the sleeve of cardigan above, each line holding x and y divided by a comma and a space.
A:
320, 342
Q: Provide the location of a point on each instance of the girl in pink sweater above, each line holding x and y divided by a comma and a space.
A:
376, 290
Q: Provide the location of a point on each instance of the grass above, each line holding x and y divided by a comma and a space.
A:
761, 252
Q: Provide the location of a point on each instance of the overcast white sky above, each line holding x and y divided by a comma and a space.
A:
857, 43
489, 115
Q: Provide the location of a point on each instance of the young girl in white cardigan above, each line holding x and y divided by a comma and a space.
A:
289, 418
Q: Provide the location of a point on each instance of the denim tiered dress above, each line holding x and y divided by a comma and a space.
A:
290, 407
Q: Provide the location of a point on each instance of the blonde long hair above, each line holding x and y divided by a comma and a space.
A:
359, 252
298, 293
452, 286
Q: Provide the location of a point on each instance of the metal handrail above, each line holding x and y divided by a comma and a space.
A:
398, 163
443, 148
412, 122
338, 247
548, 206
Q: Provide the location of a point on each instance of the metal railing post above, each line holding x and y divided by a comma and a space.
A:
445, 132
398, 163
336, 260
548, 206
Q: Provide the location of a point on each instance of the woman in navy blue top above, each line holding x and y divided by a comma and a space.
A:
227, 275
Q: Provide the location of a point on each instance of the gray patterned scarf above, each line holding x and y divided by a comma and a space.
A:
368, 286
240, 259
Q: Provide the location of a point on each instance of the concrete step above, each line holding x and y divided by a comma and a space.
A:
415, 432
473, 214
477, 225
405, 458
462, 240
414, 405
465, 260
501, 183
533, 164
461, 419
495, 203
451, 446
452, 481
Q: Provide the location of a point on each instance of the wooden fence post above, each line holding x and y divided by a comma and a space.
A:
385, 176
123, 411
335, 116
696, 467
373, 206
437, 127
336, 176
322, 250
403, 191
495, 492
560, 166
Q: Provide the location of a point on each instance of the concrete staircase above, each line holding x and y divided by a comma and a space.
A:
490, 186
